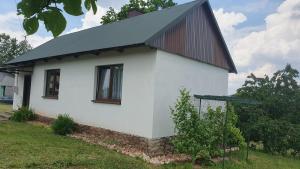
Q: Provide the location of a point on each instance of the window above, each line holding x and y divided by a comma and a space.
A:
109, 84
52, 83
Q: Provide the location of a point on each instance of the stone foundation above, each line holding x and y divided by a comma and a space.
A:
150, 147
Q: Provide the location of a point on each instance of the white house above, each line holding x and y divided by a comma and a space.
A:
124, 76
6, 86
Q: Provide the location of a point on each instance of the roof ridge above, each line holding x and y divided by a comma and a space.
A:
126, 19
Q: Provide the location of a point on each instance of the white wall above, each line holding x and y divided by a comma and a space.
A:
151, 83
18, 93
77, 80
173, 72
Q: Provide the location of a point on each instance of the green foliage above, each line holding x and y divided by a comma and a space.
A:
294, 140
54, 21
202, 137
63, 125
188, 139
234, 135
23, 114
73, 7
278, 117
110, 16
11, 48
138, 5
50, 12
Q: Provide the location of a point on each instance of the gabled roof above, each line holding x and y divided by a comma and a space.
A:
129, 32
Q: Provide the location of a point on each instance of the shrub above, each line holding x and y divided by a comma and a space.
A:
23, 114
202, 137
188, 139
63, 125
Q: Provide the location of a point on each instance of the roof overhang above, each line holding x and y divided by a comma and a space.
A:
12, 69
75, 55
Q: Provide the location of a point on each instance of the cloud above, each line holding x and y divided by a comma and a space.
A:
278, 42
90, 20
11, 24
265, 48
228, 20
116, 4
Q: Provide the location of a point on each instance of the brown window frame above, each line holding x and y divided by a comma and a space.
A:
56, 73
108, 100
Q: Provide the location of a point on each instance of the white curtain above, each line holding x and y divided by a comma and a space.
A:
117, 82
104, 77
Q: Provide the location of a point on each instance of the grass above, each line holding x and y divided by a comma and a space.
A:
26, 146
5, 107
259, 160
30, 146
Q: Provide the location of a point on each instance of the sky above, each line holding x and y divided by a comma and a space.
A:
262, 35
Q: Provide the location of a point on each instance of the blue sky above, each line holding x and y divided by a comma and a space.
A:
262, 35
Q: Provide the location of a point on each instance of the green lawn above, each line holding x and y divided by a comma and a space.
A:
5, 107
30, 146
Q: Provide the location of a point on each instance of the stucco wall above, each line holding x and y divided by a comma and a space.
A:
18, 93
77, 84
173, 72
151, 83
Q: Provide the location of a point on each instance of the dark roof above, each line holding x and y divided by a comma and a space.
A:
131, 31
137, 30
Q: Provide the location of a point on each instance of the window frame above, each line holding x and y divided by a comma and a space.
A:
46, 93
108, 100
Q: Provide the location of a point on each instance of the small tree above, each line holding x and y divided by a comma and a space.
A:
202, 137
188, 139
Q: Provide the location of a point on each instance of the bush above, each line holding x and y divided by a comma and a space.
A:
188, 139
202, 137
23, 114
63, 125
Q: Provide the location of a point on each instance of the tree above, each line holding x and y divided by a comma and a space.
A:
278, 94
278, 115
50, 13
138, 5
11, 48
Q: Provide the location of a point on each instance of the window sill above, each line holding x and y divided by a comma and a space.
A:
107, 101
50, 97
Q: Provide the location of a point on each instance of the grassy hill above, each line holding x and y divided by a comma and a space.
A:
29, 146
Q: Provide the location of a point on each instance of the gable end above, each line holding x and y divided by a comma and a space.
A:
196, 36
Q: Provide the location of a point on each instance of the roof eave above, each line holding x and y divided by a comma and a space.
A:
97, 51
